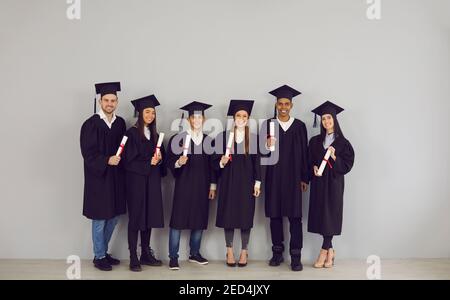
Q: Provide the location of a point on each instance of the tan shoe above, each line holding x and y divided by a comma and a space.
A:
330, 258
320, 262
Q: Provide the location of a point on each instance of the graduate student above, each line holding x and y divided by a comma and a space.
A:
104, 181
240, 180
195, 184
287, 178
145, 166
327, 189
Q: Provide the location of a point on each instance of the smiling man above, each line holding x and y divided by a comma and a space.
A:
287, 179
104, 182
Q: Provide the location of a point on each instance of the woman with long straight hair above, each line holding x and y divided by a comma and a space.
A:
145, 166
240, 180
327, 184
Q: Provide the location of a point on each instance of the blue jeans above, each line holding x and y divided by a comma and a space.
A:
102, 231
174, 242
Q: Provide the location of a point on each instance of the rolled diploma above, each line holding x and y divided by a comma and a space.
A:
272, 134
122, 145
158, 145
187, 143
324, 162
229, 143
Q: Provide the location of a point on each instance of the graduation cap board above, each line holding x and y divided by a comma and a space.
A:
286, 92
105, 89
193, 108
327, 107
144, 102
237, 105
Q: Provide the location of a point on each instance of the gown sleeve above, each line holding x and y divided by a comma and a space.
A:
256, 160
213, 172
305, 174
171, 159
344, 161
95, 161
163, 163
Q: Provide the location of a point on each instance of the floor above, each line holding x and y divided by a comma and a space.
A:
256, 270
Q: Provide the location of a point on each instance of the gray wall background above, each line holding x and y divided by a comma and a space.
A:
392, 77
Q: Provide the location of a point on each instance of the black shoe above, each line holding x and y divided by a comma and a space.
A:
135, 266
296, 264
276, 260
241, 265
148, 258
102, 264
173, 264
198, 258
230, 264
277, 257
112, 261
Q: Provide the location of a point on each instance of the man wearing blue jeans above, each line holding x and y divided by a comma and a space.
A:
104, 185
194, 244
195, 184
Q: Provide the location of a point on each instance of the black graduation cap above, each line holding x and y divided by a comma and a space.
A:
195, 106
104, 89
237, 105
144, 102
327, 107
284, 91
192, 108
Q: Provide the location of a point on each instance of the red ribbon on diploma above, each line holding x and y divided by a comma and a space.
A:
121, 148
328, 162
156, 151
231, 158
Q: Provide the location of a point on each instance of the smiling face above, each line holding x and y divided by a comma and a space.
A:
148, 115
196, 121
284, 107
108, 103
241, 118
328, 122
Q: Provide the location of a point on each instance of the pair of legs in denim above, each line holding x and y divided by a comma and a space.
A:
102, 231
174, 242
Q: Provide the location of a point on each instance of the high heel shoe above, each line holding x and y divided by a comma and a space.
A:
329, 264
245, 264
230, 264
320, 262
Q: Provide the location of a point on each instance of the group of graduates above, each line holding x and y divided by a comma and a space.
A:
131, 181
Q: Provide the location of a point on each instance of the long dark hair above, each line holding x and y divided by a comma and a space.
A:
140, 125
337, 128
246, 140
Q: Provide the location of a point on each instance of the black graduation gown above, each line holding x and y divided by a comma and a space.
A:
104, 185
190, 207
236, 203
327, 192
143, 182
283, 195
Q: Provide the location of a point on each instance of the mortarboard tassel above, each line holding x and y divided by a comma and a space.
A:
315, 121
275, 112
95, 105
180, 127
135, 113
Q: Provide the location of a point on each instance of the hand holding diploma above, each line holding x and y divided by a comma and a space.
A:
331, 151
229, 144
187, 144
122, 145
182, 160
114, 160
157, 157
271, 140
